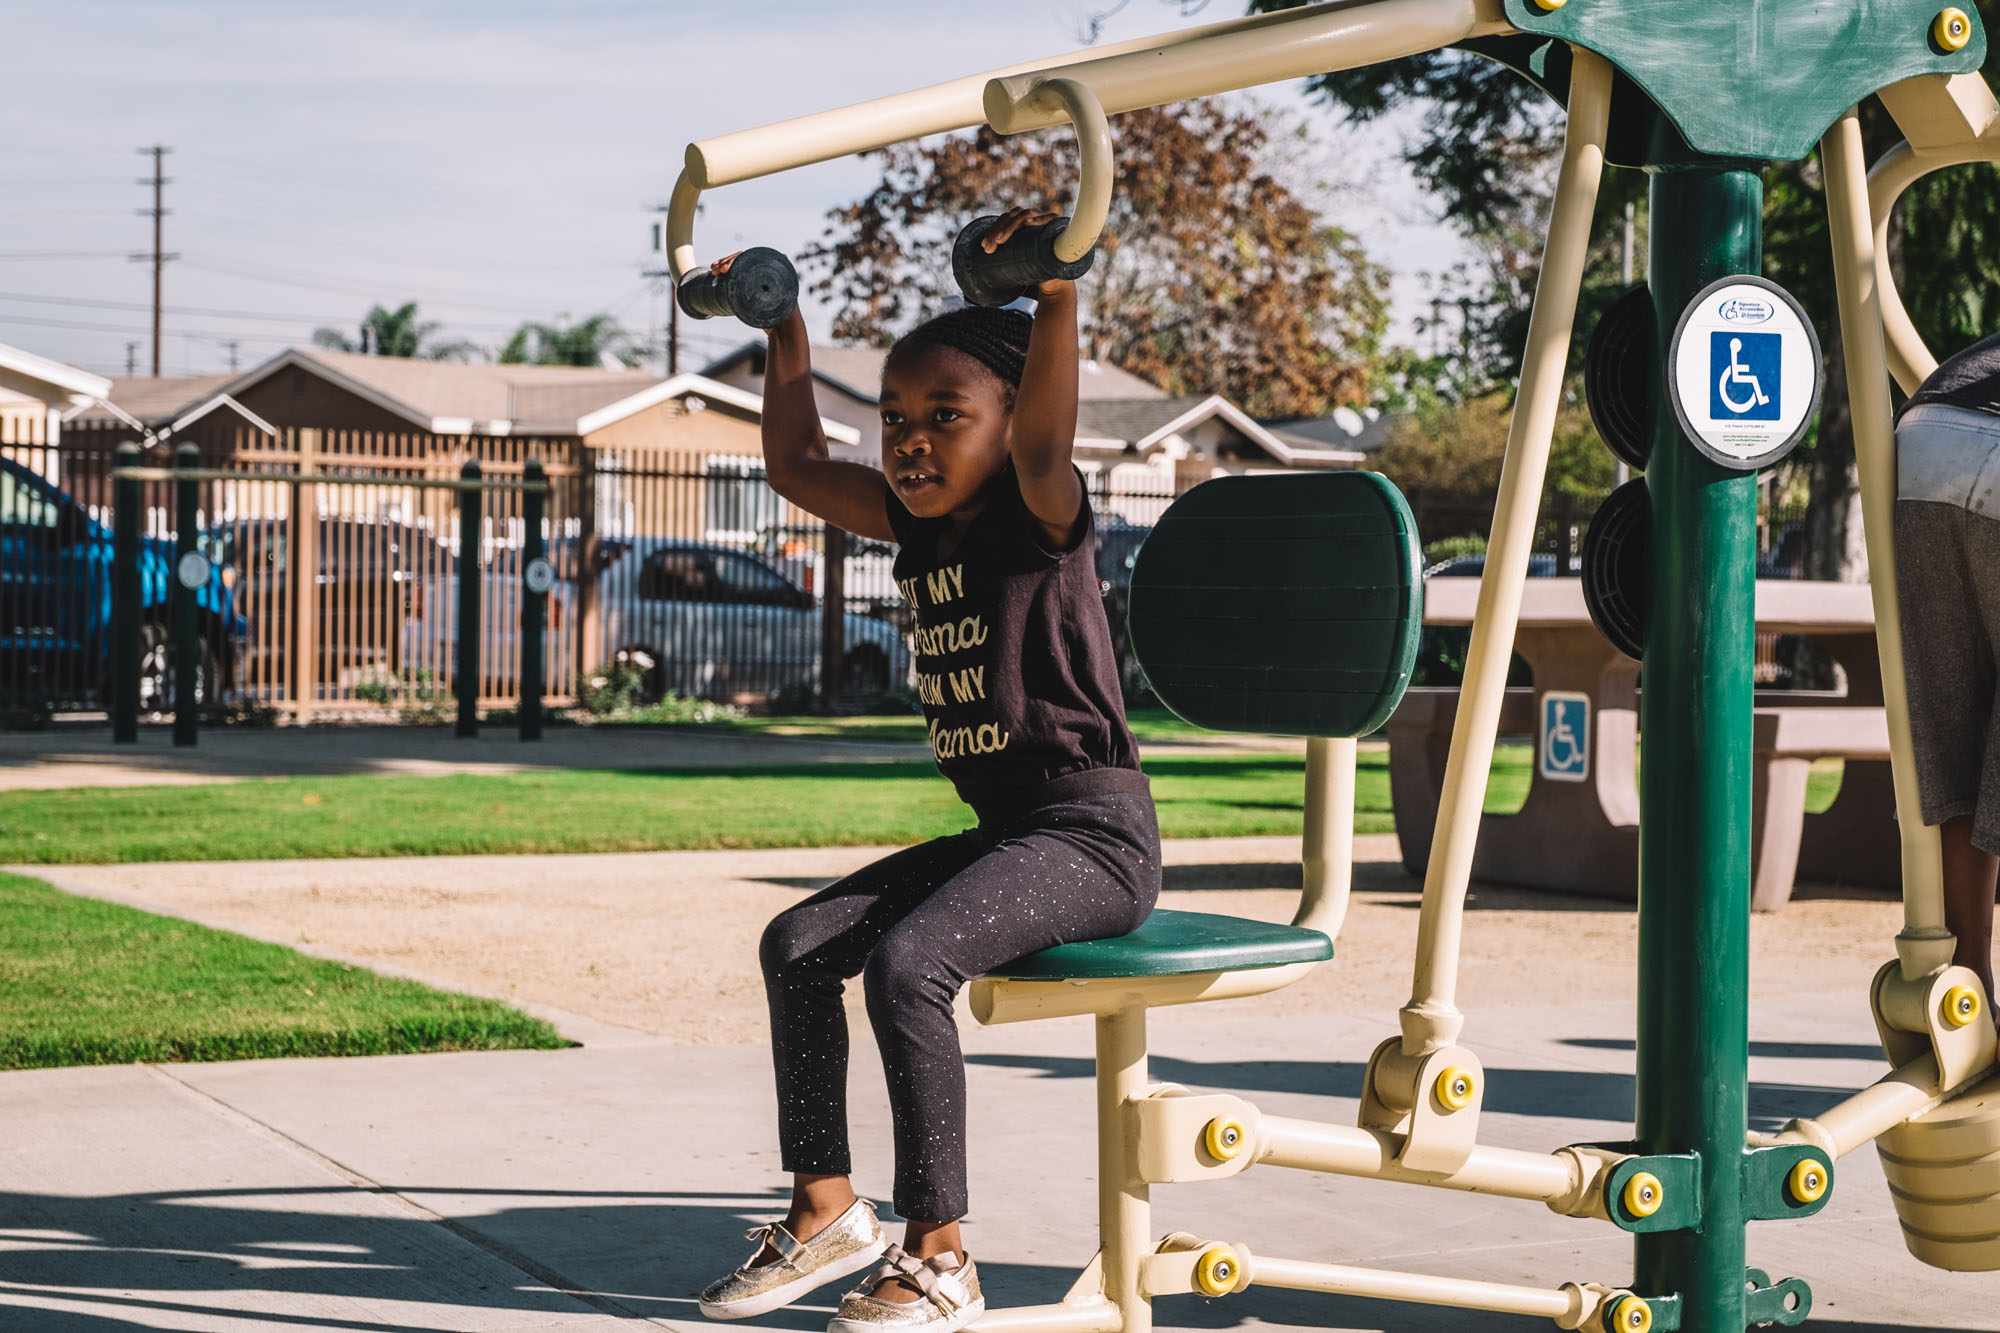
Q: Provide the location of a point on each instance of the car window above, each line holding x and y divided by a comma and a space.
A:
25, 505
676, 575
741, 579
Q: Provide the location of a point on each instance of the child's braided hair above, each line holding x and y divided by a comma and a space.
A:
996, 338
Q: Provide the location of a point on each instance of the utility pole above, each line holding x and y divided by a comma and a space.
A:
158, 181
673, 299
131, 360
232, 345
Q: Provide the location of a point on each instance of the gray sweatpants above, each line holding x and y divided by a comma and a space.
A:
1948, 584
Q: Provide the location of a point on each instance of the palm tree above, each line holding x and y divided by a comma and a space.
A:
596, 341
397, 332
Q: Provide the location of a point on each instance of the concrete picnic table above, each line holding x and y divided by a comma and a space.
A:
1579, 828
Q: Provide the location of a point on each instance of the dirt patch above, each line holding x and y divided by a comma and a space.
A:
665, 943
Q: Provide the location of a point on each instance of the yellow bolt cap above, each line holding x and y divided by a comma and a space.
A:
1808, 1181
1953, 29
1456, 1087
1632, 1315
1550, 6
1215, 1273
1961, 1005
1224, 1138
1643, 1196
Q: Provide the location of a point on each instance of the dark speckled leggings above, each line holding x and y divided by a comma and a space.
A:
916, 926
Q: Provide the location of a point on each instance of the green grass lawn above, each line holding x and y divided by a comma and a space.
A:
1199, 796
84, 982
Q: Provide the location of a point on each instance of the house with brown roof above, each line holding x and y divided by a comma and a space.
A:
157, 409
326, 390
1140, 445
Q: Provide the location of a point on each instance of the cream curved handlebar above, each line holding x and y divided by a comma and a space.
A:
1218, 57
1079, 105
1910, 361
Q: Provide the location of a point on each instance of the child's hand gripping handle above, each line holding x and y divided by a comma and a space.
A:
1010, 271
758, 286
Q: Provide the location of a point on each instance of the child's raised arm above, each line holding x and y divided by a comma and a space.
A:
1045, 407
848, 495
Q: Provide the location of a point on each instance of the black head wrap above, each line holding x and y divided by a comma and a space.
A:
995, 338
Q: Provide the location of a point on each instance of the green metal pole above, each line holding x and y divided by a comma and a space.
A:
465, 676
125, 515
187, 623
1694, 828
534, 607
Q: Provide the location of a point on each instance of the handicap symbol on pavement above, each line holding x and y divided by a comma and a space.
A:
1747, 372
1564, 753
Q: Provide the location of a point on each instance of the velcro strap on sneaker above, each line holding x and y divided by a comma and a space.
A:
934, 1278
789, 1249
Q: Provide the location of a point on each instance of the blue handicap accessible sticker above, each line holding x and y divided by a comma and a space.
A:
1744, 375
1565, 741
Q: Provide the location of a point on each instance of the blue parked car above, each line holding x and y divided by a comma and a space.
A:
55, 606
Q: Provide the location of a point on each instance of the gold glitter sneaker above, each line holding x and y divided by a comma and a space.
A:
849, 1243
951, 1297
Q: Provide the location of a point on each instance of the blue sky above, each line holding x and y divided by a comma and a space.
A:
494, 160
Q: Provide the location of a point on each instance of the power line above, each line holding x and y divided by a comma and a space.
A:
60, 254
269, 316
350, 288
28, 321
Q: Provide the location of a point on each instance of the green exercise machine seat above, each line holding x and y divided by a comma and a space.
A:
1173, 944
1287, 604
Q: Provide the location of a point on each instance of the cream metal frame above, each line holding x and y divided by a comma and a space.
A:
1422, 1096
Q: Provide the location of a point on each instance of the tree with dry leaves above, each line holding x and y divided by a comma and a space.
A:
1212, 275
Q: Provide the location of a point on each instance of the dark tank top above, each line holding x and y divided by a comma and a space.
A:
1013, 656
1969, 380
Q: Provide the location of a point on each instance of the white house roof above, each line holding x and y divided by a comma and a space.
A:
1365, 430
1142, 424
51, 382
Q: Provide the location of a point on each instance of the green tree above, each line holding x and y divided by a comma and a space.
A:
1212, 276
596, 341
397, 332
1487, 136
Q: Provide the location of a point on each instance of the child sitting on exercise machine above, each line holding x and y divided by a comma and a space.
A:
1021, 693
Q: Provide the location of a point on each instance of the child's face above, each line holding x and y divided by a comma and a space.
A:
946, 428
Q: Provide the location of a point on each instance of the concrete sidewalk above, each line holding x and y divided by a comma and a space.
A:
83, 755
75, 755
603, 1185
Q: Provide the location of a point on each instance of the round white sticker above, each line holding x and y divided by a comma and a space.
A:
192, 571
1745, 372
540, 576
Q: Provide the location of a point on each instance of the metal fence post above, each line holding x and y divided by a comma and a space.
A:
125, 503
465, 677
833, 618
536, 579
187, 626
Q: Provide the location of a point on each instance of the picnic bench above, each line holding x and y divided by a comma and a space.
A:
1578, 831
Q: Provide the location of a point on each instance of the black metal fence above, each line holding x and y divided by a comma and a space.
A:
674, 574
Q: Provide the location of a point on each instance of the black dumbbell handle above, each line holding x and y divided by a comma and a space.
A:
761, 288
1024, 259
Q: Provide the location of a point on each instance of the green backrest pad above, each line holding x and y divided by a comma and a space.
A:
1286, 604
